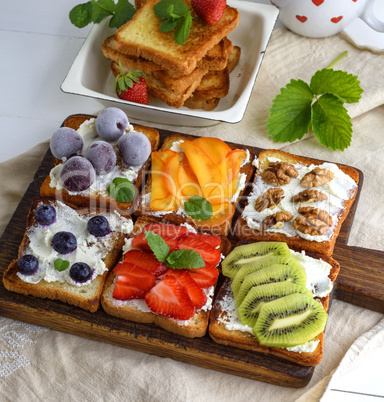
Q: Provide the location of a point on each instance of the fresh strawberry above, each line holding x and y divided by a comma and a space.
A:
195, 292
132, 282
145, 260
171, 299
210, 255
206, 276
213, 240
139, 241
131, 86
209, 11
167, 229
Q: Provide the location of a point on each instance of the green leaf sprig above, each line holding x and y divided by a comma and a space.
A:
176, 16
319, 105
96, 10
122, 190
198, 207
60, 264
179, 259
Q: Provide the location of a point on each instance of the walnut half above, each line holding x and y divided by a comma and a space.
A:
279, 173
270, 199
312, 221
276, 221
309, 195
316, 178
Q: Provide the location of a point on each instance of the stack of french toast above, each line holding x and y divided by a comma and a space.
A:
195, 74
193, 234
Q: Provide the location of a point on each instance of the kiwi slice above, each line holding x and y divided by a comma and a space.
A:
248, 254
259, 295
290, 321
273, 273
263, 263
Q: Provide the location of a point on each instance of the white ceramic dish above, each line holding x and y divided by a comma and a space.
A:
90, 73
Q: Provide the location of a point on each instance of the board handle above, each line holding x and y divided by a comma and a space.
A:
360, 278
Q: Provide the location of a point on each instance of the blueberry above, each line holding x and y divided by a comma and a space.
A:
64, 242
135, 148
98, 226
65, 142
77, 174
102, 156
111, 124
28, 264
80, 272
45, 214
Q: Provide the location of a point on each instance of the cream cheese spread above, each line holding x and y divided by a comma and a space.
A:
89, 135
338, 190
90, 250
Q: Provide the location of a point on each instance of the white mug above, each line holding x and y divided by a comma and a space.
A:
322, 18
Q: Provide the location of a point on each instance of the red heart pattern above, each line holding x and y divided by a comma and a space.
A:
317, 3
335, 20
301, 18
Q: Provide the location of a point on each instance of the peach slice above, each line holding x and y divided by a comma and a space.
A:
170, 173
187, 180
169, 203
221, 213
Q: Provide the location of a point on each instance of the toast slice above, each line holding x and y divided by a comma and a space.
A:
220, 226
97, 196
137, 310
100, 253
309, 214
226, 328
142, 37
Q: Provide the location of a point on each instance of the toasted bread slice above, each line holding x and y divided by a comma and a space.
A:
142, 37
98, 195
136, 310
142, 207
100, 253
215, 59
225, 326
338, 196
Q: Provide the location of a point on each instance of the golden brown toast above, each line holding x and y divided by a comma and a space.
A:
225, 326
141, 37
137, 311
312, 226
48, 282
100, 199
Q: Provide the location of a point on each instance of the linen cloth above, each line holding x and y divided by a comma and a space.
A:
41, 364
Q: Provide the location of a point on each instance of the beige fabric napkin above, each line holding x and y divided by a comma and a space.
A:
42, 364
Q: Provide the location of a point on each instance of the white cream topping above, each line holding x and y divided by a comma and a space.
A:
89, 135
90, 250
338, 190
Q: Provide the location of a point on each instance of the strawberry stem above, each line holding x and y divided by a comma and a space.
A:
337, 59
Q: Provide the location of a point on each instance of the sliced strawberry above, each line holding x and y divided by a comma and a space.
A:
139, 241
210, 255
145, 260
166, 229
206, 276
195, 292
213, 240
132, 282
171, 299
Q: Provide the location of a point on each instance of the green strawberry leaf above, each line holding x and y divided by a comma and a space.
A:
331, 123
157, 244
345, 86
290, 114
185, 259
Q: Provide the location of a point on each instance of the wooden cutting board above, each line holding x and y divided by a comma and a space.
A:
352, 287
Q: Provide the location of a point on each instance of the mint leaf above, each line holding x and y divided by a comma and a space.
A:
81, 15
185, 259
175, 15
198, 208
331, 123
345, 86
61, 265
124, 11
122, 190
158, 245
290, 114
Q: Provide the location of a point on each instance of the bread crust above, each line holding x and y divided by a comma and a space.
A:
89, 296
244, 232
247, 341
101, 201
